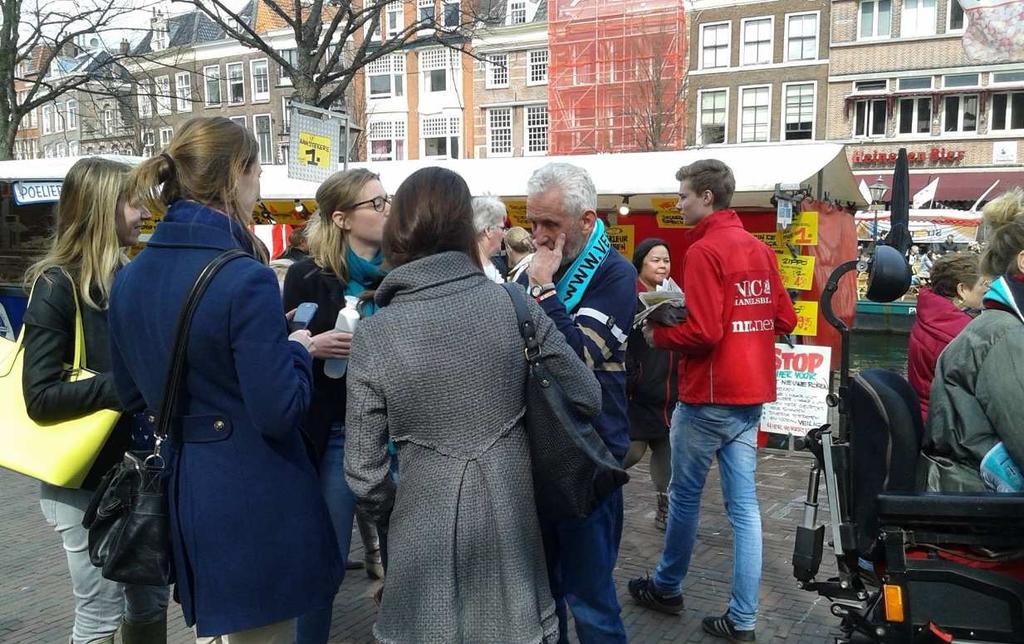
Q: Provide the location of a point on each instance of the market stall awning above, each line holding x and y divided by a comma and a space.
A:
642, 175
966, 185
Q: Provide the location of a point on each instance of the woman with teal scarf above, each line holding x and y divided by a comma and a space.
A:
345, 262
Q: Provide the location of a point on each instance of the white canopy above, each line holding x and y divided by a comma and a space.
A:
49, 169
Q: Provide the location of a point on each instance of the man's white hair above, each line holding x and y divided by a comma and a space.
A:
488, 212
578, 192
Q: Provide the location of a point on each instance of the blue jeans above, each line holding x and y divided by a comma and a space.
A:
315, 627
581, 555
699, 432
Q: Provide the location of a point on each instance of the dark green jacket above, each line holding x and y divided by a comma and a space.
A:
977, 400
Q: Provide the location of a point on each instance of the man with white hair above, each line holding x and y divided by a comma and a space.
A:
589, 291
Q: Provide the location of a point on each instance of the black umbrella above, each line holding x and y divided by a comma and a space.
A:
899, 205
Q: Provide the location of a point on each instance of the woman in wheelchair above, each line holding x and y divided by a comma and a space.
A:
974, 436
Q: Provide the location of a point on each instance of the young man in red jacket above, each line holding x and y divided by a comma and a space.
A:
735, 306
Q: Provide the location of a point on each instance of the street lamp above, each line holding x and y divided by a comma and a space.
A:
877, 190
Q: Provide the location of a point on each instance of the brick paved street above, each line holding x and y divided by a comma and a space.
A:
36, 602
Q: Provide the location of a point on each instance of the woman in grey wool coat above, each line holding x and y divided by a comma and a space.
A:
440, 370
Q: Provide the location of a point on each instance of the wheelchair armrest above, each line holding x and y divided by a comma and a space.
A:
951, 508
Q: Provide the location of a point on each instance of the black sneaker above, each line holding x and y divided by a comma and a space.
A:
644, 593
724, 628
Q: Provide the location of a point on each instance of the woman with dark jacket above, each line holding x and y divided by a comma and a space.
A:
345, 262
976, 402
250, 536
96, 220
951, 301
440, 371
652, 383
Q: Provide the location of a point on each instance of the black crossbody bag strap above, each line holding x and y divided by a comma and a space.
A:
179, 349
525, 321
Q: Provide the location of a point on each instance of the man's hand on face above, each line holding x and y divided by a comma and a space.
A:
546, 262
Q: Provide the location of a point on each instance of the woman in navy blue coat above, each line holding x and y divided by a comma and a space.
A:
252, 543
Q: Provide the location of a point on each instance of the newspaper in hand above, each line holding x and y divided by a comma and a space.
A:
665, 293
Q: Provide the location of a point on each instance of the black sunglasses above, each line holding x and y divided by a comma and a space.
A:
377, 203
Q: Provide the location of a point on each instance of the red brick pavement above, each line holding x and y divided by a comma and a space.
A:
36, 602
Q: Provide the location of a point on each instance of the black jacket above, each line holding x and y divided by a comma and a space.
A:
652, 387
307, 282
294, 254
49, 345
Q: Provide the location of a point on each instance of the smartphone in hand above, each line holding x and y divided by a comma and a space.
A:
303, 316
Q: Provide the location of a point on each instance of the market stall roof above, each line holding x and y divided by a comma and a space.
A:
641, 175
939, 215
955, 184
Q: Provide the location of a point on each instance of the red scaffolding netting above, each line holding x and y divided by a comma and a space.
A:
616, 75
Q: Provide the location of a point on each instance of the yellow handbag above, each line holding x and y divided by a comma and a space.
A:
58, 453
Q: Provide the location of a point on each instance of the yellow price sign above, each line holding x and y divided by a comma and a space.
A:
771, 240
803, 231
314, 149
517, 212
797, 272
806, 318
666, 205
622, 238
670, 220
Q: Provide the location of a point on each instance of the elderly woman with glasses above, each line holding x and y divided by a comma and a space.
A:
489, 216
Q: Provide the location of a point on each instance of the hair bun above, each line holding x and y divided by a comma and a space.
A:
1005, 209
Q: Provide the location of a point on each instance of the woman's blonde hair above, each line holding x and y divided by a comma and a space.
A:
1004, 218
85, 243
204, 162
328, 243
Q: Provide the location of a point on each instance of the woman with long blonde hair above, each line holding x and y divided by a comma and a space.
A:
96, 220
250, 535
344, 237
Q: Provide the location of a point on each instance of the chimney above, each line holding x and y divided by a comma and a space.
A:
124, 46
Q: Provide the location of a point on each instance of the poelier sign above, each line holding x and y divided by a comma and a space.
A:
26, 192
888, 157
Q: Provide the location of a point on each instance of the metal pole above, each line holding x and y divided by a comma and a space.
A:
347, 144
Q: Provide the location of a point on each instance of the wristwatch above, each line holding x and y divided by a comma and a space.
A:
536, 290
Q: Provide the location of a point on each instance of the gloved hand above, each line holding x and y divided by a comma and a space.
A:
669, 314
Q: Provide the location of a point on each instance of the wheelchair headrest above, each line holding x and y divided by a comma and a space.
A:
885, 441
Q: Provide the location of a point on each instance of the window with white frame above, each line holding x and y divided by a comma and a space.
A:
452, 13
871, 86
166, 133
386, 76
163, 95
61, 149
517, 12
183, 91
802, 36
497, 71
435, 66
499, 132
386, 140
286, 114
261, 125
955, 19
875, 19
58, 117
145, 98
47, 119
714, 45
915, 82
537, 125
289, 55
869, 117
282, 154
915, 115
799, 112
260, 80
47, 151
918, 18
755, 114
1007, 112
757, 41
109, 122
72, 148
425, 11
211, 84
961, 80
1002, 78
72, 110
238, 119
712, 107
395, 18
960, 113
537, 67
441, 136
236, 83
148, 143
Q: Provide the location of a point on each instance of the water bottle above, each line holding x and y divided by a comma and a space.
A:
347, 319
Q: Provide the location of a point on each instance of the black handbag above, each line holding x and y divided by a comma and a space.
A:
127, 518
573, 471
